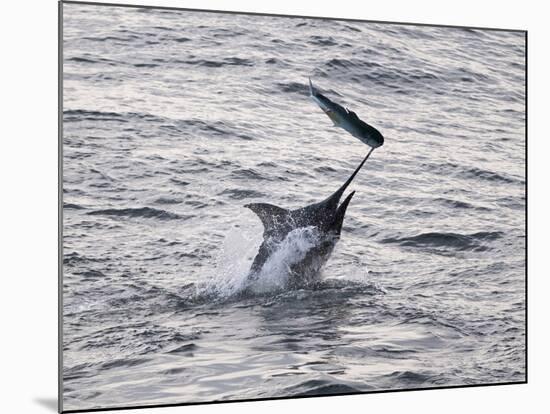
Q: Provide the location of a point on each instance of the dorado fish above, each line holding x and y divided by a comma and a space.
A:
346, 119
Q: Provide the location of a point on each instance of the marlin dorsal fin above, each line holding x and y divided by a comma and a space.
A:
311, 88
352, 114
269, 214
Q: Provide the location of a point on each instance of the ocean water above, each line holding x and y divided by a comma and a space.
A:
174, 120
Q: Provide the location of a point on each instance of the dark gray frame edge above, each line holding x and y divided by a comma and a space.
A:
60, 207
525, 104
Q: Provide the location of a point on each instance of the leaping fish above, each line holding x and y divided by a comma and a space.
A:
346, 119
325, 217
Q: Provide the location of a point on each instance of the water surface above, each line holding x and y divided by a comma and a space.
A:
173, 120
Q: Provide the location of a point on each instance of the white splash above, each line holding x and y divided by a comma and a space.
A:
275, 272
231, 274
233, 262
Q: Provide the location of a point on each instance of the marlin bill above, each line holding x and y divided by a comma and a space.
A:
346, 119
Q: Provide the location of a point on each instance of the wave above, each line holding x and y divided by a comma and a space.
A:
249, 174
143, 212
408, 377
447, 240
186, 349
72, 206
368, 71
301, 24
90, 60
76, 115
413, 32
218, 128
164, 28
319, 387
75, 258
221, 32
154, 10
206, 126
240, 194
275, 61
363, 70
145, 65
168, 200
124, 363
178, 182
475, 172
352, 29
469, 172
110, 38
325, 169
468, 75
176, 126
77, 372
156, 62
232, 61
339, 64
460, 204
323, 41
90, 274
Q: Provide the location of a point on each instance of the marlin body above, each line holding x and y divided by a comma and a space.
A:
325, 218
346, 119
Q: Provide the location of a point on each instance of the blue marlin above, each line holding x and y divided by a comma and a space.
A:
346, 119
325, 218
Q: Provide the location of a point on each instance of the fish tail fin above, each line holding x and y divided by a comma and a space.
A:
311, 89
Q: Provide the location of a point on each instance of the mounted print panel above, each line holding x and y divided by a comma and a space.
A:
258, 206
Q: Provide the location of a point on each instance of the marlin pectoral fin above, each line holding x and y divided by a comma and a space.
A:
332, 116
341, 212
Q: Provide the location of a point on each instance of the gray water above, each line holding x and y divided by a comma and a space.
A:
173, 120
